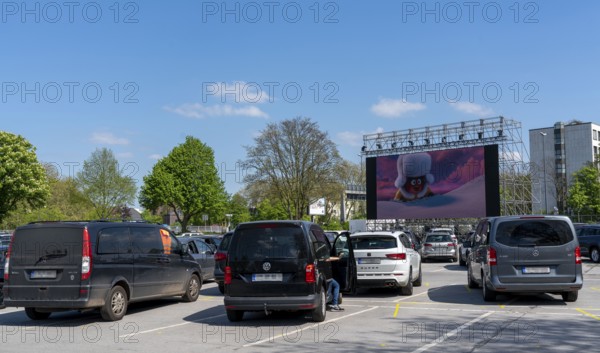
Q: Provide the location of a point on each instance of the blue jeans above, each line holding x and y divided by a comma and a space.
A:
333, 285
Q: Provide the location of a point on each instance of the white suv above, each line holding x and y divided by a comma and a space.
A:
386, 259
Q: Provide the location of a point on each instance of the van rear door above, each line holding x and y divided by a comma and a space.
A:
536, 251
45, 262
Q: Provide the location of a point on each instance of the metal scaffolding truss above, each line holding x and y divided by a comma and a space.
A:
515, 180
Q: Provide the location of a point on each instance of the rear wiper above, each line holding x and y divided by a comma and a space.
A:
50, 256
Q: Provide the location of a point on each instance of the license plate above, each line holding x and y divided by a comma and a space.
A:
536, 270
267, 277
368, 261
43, 274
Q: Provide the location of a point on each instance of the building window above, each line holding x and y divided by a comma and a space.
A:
595, 135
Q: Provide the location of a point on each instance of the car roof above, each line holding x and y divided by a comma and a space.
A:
376, 233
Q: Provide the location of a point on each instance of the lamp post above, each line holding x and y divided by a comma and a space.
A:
544, 163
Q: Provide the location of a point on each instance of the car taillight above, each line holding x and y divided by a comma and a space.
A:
491, 255
577, 256
86, 256
400, 256
227, 278
219, 256
7, 258
311, 273
427, 244
451, 244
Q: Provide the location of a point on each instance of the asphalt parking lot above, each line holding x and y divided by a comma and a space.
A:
441, 316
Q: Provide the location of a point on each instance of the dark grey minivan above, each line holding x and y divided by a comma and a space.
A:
284, 266
526, 254
56, 266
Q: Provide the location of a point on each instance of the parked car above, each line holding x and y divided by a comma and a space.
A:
284, 265
530, 254
415, 242
212, 240
56, 266
386, 260
191, 234
439, 245
465, 248
203, 253
221, 260
449, 231
589, 241
4, 243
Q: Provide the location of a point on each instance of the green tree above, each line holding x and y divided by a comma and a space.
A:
238, 208
269, 210
104, 185
294, 159
22, 178
584, 193
187, 182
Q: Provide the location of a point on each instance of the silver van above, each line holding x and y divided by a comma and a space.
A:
525, 254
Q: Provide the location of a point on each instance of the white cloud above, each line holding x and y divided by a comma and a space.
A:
108, 138
472, 108
395, 108
199, 111
124, 155
354, 139
155, 156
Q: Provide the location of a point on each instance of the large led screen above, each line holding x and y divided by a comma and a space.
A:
451, 183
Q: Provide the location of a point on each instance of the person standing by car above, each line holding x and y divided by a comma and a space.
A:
333, 290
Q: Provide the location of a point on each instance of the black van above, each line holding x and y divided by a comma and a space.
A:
283, 265
56, 266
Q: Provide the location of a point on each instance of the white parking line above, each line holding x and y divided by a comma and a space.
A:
172, 326
270, 339
451, 333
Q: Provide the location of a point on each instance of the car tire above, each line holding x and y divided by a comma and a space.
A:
595, 255
570, 297
489, 295
33, 314
235, 315
192, 290
462, 262
408, 288
318, 314
221, 287
115, 306
470, 281
419, 281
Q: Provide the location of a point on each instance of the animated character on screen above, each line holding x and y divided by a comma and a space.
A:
414, 177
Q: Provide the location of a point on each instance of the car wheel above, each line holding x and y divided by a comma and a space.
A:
570, 296
408, 289
235, 315
461, 261
116, 306
595, 255
488, 294
318, 314
470, 281
221, 287
419, 281
33, 314
193, 289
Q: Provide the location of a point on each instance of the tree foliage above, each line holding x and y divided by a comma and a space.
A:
187, 182
294, 160
584, 193
22, 178
104, 184
238, 208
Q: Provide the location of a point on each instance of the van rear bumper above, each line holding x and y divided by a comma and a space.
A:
537, 287
271, 303
87, 300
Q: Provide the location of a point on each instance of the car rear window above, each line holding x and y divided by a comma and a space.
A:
275, 242
47, 245
438, 238
380, 242
534, 233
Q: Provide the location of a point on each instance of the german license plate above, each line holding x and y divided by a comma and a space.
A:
43, 274
368, 261
536, 270
267, 277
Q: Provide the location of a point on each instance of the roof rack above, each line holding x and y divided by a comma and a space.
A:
93, 221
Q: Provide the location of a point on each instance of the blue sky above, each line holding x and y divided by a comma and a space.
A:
140, 76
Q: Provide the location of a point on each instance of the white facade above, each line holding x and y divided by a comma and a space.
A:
565, 148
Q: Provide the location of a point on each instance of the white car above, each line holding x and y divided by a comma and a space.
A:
386, 259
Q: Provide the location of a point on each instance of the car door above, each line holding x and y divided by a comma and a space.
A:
176, 265
344, 270
148, 257
478, 252
205, 258
412, 255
